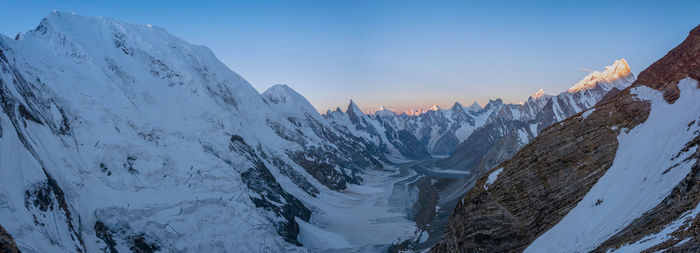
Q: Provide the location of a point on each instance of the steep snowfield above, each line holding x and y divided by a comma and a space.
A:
645, 170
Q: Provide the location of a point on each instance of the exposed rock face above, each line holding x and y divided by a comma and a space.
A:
7, 243
548, 177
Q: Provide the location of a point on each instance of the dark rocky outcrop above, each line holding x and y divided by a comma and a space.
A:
270, 195
7, 243
137, 242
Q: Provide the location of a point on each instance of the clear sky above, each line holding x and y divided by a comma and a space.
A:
403, 54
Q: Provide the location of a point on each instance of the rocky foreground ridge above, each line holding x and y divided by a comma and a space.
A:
552, 193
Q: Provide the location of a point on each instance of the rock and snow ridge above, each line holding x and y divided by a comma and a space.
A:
623, 176
636, 181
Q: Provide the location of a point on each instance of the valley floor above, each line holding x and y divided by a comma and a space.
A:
404, 207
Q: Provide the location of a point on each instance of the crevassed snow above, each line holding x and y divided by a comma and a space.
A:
362, 217
492, 178
636, 181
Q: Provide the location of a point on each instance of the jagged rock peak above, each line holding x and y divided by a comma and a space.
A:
353, 108
618, 71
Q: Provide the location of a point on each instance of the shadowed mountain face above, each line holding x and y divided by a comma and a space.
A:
622, 175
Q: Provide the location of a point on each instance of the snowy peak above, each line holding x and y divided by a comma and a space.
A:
618, 71
136, 56
475, 107
538, 94
286, 100
384, 112
493, 104
282, 93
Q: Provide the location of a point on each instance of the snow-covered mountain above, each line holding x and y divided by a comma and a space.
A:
441, 131
622, 176
515, 125
123, 137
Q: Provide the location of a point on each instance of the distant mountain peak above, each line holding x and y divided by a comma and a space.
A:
353, 108
384, 111
619, 70
475, 107
538, 94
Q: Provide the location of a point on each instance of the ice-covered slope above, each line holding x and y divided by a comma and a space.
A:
121, 136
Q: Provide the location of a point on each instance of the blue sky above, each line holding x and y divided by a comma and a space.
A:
403, 54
